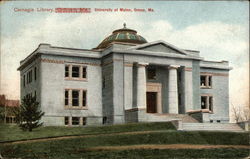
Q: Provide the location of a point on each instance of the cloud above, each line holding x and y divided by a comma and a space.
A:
215, 40
83, 31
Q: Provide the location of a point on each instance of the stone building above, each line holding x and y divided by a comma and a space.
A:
125, 79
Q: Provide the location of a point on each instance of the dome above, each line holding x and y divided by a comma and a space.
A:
123, 35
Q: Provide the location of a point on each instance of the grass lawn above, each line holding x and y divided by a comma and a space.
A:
13, 132
76, 147
228, 153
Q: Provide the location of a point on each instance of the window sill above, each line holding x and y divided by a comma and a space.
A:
76, 79
76, 107
207, 111
205, 87
151, 79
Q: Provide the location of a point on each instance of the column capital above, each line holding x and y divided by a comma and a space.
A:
173, 66
142, 64
128, 64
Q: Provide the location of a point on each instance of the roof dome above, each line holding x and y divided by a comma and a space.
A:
124, 35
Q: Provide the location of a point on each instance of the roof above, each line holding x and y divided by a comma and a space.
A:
124, 35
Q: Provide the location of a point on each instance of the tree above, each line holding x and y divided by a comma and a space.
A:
28, 115
240, 113
236, 113
2, 108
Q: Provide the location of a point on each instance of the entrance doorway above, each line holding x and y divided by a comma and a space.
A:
151, 102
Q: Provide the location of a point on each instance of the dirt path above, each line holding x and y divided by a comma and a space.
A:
79, 136
169, 146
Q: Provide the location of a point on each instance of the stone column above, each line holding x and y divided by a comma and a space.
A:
173, 89
188, 89
141, 85
128, 85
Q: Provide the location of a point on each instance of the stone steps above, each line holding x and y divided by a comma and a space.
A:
212, 127
169, 117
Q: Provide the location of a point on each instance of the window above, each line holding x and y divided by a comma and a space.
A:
35, 73
27, 78
103, 82
24, 80
206, 81
66, 97
75, 98
84, 121
104, 120
75, 120
66, 71
30, 76
151, 73
203, 102
203, 81
207, 102
121, 36
66, 120
210, 103
35, 94
84, 98
84, 72
75, 71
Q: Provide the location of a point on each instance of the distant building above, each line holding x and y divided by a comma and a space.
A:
7, 107
125, 79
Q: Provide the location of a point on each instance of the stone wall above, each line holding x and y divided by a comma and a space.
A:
53, 85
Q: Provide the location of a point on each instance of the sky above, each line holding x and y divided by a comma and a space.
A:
218, 29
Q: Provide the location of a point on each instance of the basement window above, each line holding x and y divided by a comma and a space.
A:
66, 120
84, 120
75, 120
104, 120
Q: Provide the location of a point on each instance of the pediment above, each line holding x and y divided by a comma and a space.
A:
159, 46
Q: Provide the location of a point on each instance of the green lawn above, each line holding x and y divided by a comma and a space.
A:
227, 153
76, 147
13, 132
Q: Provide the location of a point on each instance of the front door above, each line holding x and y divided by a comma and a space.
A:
151, 102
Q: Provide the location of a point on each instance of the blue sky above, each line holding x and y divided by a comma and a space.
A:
179, 14
218, 29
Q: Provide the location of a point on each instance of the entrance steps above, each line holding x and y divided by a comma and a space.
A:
156, 117
212, 127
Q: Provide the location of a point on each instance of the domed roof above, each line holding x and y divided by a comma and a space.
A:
123, 35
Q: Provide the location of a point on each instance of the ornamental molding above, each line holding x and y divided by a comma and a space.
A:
63, 62
214, 74
52, 61
173, 66
188, 69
